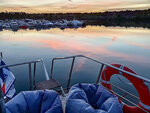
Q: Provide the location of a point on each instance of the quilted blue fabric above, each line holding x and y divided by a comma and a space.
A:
92, 98
43, 101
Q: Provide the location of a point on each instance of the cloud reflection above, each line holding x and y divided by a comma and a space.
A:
91, 41
75, 47
140, 45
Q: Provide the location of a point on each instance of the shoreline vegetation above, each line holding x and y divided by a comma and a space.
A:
128, 18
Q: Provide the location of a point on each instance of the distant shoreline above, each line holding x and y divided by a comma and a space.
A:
128, 18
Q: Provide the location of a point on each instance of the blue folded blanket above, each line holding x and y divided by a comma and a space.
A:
43, 101
92, 98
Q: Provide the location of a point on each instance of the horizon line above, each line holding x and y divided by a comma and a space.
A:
117, 10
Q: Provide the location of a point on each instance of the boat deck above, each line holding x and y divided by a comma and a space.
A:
51, 83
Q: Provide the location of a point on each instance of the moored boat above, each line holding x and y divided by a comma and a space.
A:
23, 27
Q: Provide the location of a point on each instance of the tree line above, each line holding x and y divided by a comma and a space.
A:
121, 18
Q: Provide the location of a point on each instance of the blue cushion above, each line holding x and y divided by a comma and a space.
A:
92, 98
43, 101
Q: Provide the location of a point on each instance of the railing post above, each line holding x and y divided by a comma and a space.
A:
1, 54
70, 72
30, 77
52, 66
100, 73
34, 71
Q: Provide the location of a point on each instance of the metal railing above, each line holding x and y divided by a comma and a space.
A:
99, 75
101, 68
31, 86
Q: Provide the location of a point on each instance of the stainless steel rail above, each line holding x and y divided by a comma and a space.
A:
128, 100
99, 62
125, 91
31, 86
13, 65
2, 103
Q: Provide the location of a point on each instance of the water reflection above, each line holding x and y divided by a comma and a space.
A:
103, 41
127, 46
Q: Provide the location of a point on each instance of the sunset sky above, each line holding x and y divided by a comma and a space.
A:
49, 6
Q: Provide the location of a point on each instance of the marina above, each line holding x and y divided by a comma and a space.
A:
39, 24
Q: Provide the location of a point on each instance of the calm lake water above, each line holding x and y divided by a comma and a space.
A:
127, 46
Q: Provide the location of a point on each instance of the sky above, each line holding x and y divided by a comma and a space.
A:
63, 6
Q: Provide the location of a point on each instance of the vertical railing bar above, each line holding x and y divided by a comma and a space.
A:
1, 54
34, 71
105, 79
30, 77
100, 73
52, 66
70, 74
